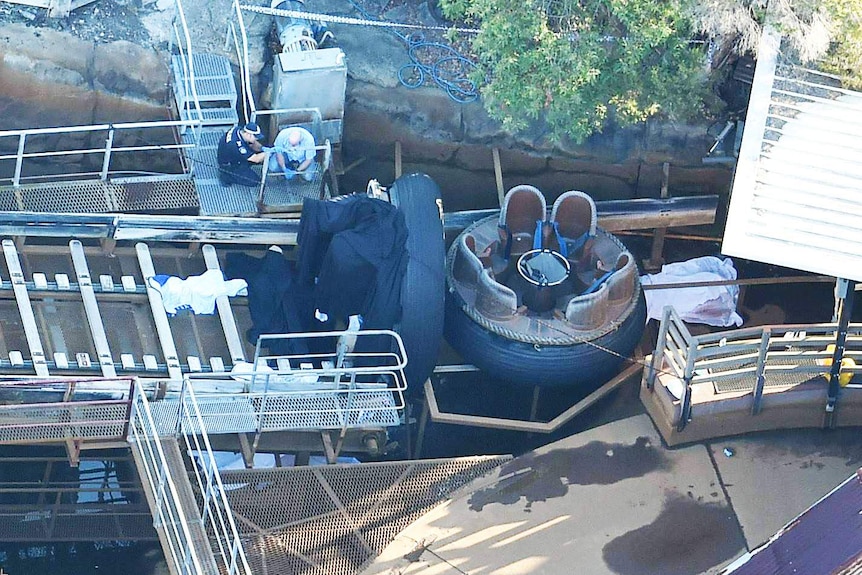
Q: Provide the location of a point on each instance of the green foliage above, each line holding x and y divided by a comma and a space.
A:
844, 56
577, 64
827, 33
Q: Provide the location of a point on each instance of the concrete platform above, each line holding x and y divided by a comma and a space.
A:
614, 499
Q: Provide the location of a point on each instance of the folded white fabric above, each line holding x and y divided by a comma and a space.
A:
195, 293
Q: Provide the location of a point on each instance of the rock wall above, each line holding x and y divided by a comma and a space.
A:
49, 77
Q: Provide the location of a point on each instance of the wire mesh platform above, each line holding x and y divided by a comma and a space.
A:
334, 519
775, 376
96, 196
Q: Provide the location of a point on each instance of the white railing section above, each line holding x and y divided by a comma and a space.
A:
37, 143
214, 510
241, 48
756, 354
169, 513
187, 541
183, 41
360, 384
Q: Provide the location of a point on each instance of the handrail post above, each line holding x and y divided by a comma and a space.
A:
845, 289
264, 174
761, 369
19, 161
106, 161
181, 408
688, 374
655, 363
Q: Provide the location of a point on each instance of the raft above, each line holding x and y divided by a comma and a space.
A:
543, 299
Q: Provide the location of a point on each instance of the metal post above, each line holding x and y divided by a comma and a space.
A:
655, 363
423, 421
761, 368
685, 410
106, 161
534, 408
19, 161
845, 290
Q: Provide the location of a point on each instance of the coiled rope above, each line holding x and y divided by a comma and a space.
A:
449, 69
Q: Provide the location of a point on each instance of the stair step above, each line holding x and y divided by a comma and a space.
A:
213, 116
214, 80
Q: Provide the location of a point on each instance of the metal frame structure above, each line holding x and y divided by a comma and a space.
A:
746, 360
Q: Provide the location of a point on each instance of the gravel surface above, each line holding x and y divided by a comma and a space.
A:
100, 21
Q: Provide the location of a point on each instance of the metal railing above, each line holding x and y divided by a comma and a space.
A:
360, 383
366, 364
53, 411
191, 541
240, 42
183, 41
41, 140
787, 354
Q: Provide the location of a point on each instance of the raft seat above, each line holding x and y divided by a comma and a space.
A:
522, 208
588, 311
493, 299
622, 284
467, 266
574, 222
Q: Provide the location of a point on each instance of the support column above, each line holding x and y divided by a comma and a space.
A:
845, 290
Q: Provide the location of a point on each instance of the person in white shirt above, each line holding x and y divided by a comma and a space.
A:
294, 154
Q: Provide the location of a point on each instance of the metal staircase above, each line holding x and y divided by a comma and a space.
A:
213, 85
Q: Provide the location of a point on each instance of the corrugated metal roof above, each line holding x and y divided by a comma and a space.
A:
797, 192
825, 540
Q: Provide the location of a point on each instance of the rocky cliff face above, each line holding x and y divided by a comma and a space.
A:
108, 62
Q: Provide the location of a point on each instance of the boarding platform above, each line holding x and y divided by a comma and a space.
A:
751, 379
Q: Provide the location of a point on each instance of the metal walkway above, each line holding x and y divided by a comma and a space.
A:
733, 382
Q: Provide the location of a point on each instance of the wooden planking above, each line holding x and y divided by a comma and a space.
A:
25, 308
91, 307
619, 215
234, 343
614, 215
160, 316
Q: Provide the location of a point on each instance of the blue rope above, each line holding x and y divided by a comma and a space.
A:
450, 70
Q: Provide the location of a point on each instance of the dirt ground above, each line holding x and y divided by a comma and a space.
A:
101, 21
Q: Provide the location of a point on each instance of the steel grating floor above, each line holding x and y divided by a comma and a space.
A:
96, 196
772, 378
335, 519
215, 199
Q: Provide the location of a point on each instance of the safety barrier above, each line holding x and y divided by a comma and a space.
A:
36, 143
197, 529
747, 360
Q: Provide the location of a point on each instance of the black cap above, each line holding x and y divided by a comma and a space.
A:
253, 129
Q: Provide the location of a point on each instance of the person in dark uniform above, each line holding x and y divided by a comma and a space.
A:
237, 150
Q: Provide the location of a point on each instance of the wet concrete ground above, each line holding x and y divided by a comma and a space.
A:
614, 500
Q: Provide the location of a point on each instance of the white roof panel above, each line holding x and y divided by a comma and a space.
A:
797, 192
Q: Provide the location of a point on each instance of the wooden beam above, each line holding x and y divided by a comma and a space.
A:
529, 426
620, 215
397, 159
25, 309
656, 259
91, 307
498, 176
228, 322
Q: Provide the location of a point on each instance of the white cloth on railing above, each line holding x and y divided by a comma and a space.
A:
712, 305
195, 293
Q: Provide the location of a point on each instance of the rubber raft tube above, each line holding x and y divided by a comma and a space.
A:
585, 364
423, 289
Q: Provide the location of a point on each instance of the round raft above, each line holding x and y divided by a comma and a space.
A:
543, 300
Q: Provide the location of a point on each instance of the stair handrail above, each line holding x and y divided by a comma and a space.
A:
249, 106
144, 432
187, 57
214, 503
